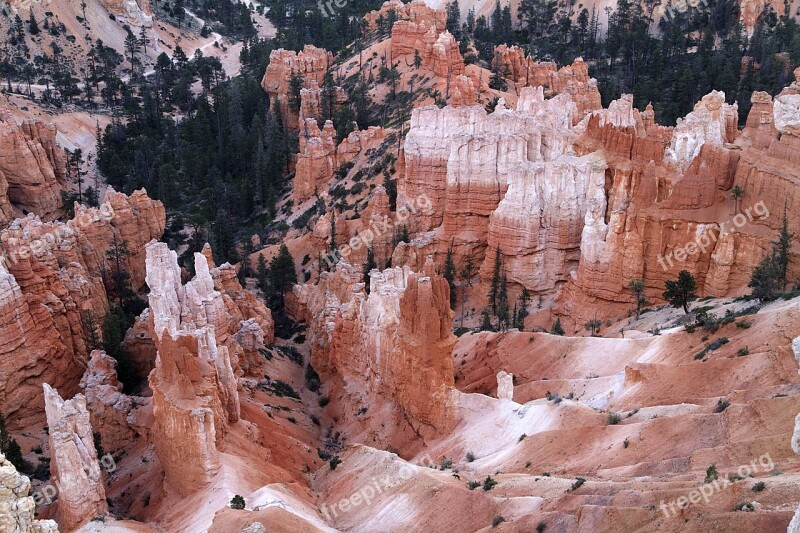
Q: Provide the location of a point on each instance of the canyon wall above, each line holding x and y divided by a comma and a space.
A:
32, 169
52, 297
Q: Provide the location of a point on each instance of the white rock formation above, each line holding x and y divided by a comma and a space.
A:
786, 111
712, 122
505, 386
73, 462
17, 509
195, 394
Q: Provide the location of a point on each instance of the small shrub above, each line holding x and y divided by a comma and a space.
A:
292, 419
744, 324
758, 487
521, 437
722, 404
718, 343
746, 507
743, 351
445, 464
325, 400
578, 483
541, 526
489, 483
472, 485
626, 443
237, 502
613, 419
497, 520
334, 462
470, 457
711, 474
690, 328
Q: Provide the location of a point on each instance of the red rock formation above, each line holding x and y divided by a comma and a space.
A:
73, 460
392, 348
17, 508
194, 383
317, 161
135, 12
311, 64
463, 92
357, 142
108, 406
416, 11
571, 79
52, 295
32, 171
439, 51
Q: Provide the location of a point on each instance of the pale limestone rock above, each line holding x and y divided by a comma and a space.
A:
786, 111
74, 463
17, 509
712, 122
505, 386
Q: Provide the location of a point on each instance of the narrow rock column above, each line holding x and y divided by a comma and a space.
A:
74, 466
505, 386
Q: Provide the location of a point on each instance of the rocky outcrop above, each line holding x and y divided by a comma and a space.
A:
505, 386
438, 51
310, 65
509, 179
572, 79
108, 407
135, 12
317, 160
73, 460
17, 508
52, 297
200, 334
417, 12
32, 170
463, 92
391, 347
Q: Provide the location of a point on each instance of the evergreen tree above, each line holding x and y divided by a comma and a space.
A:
636, 286
781, 249
10, 448
681, 291
33, 25
453, 24
494, 287
524, 301
115, 325
557, 329
503, 311
369, 266
282, 277
262, 274
450, 275
766, 279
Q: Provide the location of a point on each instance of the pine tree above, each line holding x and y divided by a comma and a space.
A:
494, 287
282, 277
680, 292
636, 286
781, 249
333, 234
524, 301
369, 266
10, 448
262, 274
450, 275
33, 26
502, 304
557, 329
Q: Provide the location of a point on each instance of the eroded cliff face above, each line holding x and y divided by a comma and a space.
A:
32, 170
17, 508
52, 297
509, 179
386, 355
200, 334
580, 209
73, 463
